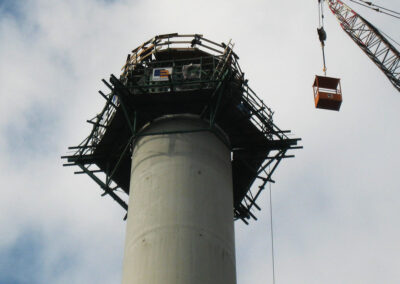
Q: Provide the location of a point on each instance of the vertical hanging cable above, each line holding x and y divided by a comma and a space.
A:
319, 13
321, 31
272, 234
322, 12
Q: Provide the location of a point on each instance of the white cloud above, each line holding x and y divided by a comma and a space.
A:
335, 204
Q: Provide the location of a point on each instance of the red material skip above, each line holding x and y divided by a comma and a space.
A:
327, 93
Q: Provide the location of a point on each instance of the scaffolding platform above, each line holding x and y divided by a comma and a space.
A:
184, 74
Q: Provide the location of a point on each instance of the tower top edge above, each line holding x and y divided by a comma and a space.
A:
202, 126
193, 45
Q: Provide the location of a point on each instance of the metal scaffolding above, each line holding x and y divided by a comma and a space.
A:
216, 90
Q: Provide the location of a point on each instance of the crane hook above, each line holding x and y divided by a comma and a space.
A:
321, 35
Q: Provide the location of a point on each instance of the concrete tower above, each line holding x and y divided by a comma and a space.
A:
180, 218
185, 137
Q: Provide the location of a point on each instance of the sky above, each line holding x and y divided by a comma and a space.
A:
336, 205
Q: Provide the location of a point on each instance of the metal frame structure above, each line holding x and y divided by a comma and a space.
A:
369, 39
220, 96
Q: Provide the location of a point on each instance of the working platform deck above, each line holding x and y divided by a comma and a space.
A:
162, 79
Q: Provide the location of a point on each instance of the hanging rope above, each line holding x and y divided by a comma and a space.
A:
383, 8
321, 2
319, 14
321, 32
272, 234
377, 8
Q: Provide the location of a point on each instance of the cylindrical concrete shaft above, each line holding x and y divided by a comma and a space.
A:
180, 221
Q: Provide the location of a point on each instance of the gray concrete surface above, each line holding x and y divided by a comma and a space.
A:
180, 219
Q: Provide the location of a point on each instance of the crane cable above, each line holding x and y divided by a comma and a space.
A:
388, 37
272, 235
376, 8
383, 8
321, 32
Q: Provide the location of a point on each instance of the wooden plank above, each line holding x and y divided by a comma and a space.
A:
146, 49
212, 42
174, 42
190, 35
166, 35
137, 48
209, 47
181, 48
148, 54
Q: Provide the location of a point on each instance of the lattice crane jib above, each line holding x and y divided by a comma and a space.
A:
369, 39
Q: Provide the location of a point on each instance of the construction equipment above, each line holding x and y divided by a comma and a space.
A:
369, 39
327, 93
377, 47
327, 90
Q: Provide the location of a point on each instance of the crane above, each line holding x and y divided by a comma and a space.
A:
327, 90
369, 39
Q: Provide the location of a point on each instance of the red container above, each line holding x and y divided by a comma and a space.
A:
327, 93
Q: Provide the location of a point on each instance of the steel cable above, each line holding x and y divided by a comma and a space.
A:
383, 8
272, 234
369, 3
376, 9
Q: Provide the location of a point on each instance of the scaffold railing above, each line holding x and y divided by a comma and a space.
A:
219, 67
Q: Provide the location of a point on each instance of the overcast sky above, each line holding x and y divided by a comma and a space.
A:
336, 205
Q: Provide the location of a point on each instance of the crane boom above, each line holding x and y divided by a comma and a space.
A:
369, 39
